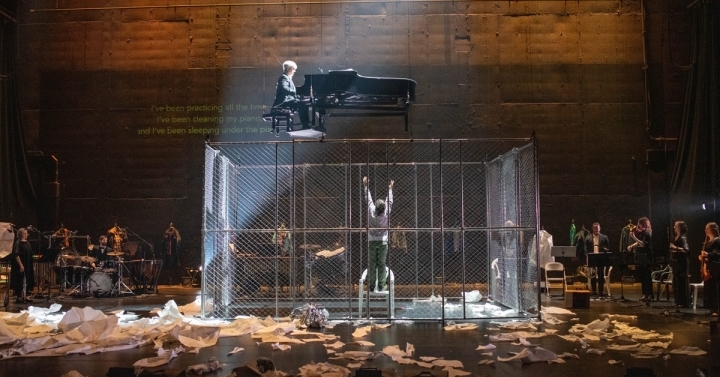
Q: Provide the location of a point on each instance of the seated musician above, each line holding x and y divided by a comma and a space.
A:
286, 95
99, 252
595, 243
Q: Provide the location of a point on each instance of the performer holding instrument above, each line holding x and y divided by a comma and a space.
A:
679, 249
710, 255
642, 241
99, 252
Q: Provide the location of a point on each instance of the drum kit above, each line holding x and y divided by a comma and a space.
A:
83, 275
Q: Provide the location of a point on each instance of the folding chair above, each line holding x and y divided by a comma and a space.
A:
555, 278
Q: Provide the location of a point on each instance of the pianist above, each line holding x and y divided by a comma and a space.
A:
286, 96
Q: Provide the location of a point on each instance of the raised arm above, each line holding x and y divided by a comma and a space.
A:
371, 204
389, 199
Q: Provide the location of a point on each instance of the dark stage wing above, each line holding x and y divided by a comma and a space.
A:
346, 90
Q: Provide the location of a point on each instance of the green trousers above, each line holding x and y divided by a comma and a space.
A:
376, 268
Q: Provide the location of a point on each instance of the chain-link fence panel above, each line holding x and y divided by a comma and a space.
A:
288, 223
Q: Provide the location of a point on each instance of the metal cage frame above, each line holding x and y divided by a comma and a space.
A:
286, 223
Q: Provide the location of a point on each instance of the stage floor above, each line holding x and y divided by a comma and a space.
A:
689, 327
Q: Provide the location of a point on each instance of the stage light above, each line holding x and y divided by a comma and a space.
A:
708, 206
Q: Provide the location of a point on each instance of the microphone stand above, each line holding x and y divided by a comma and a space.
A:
142, 262
152, 251
46, 278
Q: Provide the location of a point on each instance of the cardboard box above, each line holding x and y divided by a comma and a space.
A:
577, 299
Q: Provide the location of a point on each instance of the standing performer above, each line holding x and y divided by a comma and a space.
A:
286, 95
171, 239
378, 218
642, 246
597, 243
679, 249
711, 255
22, 271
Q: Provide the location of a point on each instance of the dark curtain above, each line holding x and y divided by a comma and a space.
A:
697, 166
17, 195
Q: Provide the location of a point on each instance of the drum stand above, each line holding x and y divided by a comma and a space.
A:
120, 287
78, 289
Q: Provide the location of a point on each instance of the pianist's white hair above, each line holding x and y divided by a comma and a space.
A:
289, 64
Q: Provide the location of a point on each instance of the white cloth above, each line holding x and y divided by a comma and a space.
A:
546, 243
7, 236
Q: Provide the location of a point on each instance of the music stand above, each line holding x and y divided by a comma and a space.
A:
620, 262
48, 256
563, 251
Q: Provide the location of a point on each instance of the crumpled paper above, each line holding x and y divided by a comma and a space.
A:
196, 337
211, 366
281, 347
323, 370
531, 355
361, 331
163, 357
688, 350
472, 296
460, 326
194, 308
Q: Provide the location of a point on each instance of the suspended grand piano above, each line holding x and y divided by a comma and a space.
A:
356, 96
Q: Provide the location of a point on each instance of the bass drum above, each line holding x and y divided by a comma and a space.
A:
99, 284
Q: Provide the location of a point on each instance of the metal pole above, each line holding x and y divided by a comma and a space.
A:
387, 229
277, 234
307, 271
442, 235
417, 283
462, 228
432, 237
367, 233
348, 221
518, 235
488, 238
537, 222
293, 255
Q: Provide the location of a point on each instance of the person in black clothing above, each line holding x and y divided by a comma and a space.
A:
642, 241
679, 249
22, 267
99, 252
711, 255
286, 95
597, 242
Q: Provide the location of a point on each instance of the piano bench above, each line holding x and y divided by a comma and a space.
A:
280, 118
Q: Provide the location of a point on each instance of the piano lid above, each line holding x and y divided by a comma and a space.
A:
349, 82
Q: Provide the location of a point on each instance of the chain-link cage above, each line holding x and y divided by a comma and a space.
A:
287, 224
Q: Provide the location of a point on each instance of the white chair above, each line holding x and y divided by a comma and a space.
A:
695, 287
555, 278
607, 280
389, 297
663, 280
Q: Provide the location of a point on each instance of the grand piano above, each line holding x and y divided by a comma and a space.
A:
354, 95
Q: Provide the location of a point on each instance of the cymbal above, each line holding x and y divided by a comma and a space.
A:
67, 256
115, 253
309, 246
87, 259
